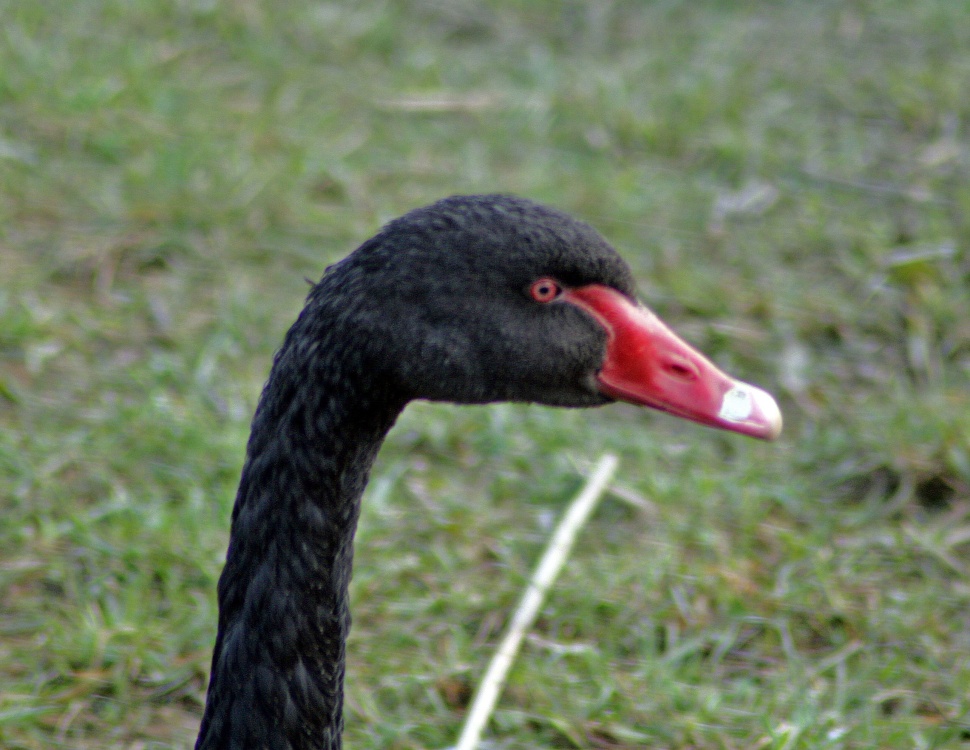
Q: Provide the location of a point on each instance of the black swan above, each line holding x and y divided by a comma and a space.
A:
473, 299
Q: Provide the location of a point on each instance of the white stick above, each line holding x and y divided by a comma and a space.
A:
546, 572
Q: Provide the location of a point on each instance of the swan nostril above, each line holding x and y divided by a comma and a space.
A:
680, 370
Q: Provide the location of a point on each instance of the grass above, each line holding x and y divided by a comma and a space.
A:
790, 182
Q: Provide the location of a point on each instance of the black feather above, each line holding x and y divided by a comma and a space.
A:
435, 306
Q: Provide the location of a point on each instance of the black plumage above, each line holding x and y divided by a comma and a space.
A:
471, 300
435, 306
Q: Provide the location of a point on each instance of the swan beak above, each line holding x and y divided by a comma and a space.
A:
646, 363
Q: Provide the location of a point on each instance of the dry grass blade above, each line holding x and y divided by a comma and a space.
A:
552, 561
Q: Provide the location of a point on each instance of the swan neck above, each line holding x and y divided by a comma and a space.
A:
278, 664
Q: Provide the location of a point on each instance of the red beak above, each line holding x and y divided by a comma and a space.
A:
646, 363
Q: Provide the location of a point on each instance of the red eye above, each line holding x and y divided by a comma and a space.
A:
545, 290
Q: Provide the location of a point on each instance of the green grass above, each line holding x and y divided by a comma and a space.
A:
790, 182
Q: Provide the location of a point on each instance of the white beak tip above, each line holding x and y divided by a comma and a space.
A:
752, 408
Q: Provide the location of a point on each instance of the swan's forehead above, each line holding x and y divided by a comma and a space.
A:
575, 260
511, 240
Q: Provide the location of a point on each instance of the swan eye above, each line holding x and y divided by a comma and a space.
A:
545, 290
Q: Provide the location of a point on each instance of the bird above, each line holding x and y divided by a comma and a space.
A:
471, 300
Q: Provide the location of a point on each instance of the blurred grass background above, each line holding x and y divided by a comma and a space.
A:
789, 182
